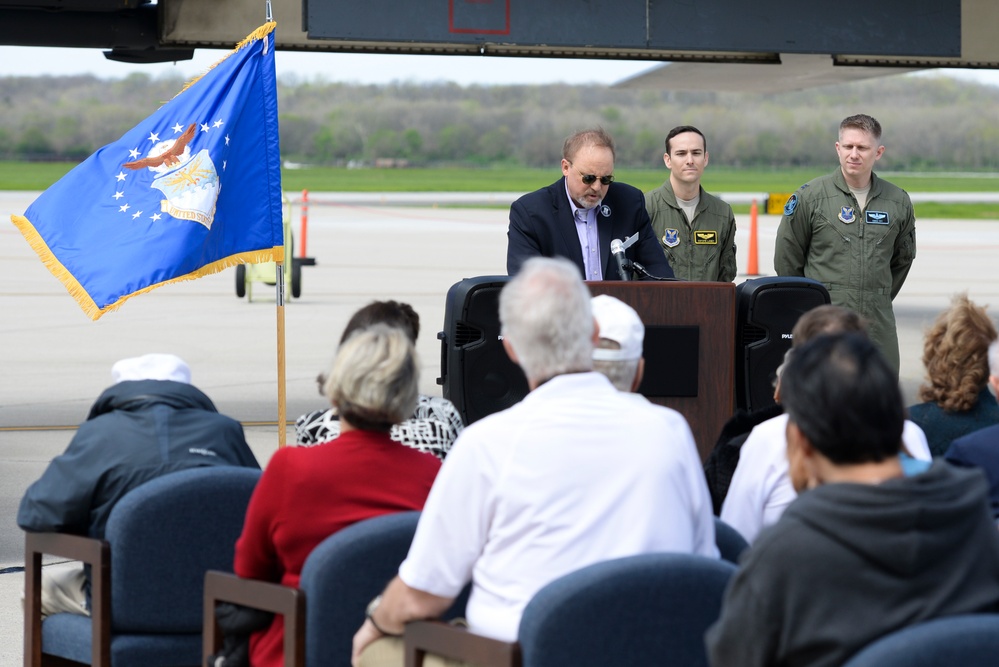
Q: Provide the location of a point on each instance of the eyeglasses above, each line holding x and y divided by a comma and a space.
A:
589, 179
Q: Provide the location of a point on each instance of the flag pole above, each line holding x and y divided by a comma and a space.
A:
282, 418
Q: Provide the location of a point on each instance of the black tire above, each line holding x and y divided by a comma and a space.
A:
296, 279
241, 280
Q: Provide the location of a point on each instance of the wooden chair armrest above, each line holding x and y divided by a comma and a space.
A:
450, 641
263, 595
95, 553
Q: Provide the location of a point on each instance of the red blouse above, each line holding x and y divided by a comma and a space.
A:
308, 493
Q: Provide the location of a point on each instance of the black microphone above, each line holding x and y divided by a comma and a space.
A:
617, 249
642, 270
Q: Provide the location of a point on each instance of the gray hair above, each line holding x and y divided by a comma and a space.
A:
374, 379
545, 315
620, 372
994, 358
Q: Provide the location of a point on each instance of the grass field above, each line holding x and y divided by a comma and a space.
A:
39, 176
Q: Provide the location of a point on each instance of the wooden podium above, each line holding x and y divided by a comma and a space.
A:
689, 349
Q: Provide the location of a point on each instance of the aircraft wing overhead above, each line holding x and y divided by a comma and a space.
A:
794, 71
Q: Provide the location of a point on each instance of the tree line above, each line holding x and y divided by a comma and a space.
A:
930, 122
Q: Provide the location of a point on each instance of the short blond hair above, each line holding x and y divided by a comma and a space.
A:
373, 382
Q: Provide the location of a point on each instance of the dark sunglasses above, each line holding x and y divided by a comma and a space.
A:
588, 179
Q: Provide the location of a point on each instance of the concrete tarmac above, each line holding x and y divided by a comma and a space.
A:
55, 361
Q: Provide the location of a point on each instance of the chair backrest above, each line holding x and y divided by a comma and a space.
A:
730, 542
164, 535
342, 575
967, 640
650, 609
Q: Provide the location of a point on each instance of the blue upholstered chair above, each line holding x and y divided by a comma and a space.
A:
339, 579
651, 609
146, 575
730, 542
964, 641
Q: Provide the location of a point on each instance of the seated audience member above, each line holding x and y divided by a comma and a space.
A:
865, 550
150, 422
956, 397
761, 489
434, 424
308, 493
618, 353
981, 448
576, 473
723, 460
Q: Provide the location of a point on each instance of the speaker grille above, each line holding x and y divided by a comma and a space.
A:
465, 334
752, 334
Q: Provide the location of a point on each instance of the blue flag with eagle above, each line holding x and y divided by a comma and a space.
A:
193, 189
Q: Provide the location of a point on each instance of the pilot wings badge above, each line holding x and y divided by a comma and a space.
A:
876, 217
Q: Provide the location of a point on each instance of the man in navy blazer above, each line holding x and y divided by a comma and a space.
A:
579, 215
981, 448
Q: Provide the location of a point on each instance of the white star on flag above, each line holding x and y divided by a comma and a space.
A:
153, 137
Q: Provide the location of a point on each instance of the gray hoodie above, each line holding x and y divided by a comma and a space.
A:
848, 563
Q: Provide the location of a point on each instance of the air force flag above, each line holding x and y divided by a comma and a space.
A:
193, 189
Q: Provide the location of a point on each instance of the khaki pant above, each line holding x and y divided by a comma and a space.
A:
390, 652
64, 589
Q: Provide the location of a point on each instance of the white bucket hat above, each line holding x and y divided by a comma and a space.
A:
152, 367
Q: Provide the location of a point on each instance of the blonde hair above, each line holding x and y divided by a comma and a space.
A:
373, 380
955, 354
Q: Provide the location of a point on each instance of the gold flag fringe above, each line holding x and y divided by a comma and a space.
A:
257, 34
90, 307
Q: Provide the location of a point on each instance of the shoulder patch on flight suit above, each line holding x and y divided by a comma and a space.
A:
705, 238
791, 204
876, 217
671, 238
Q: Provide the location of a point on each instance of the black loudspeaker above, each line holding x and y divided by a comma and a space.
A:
476, 373
766, 311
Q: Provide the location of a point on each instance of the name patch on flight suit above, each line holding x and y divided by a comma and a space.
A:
706, 238
876, 217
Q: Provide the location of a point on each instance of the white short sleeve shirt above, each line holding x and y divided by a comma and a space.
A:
574, 474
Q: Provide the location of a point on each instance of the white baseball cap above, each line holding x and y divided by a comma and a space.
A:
152, 367
620, 323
